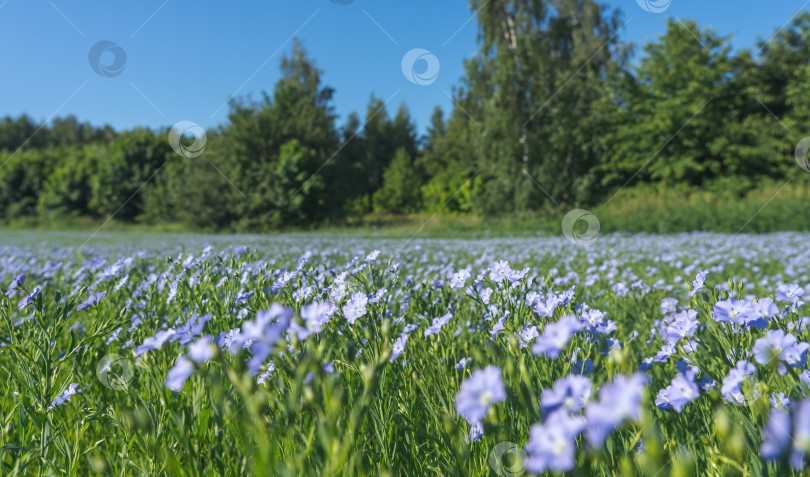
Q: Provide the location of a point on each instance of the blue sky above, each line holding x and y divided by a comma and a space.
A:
185, 58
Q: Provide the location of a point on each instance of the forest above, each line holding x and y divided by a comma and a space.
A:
554, 112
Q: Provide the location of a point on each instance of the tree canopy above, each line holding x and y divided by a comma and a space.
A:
550, 114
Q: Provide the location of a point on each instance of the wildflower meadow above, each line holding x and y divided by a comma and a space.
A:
404, 238
332, 355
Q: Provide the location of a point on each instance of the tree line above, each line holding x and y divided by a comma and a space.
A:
552, 113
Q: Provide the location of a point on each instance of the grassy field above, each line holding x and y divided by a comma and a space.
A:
139, 353
768, 206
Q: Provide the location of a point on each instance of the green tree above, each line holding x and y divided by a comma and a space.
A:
382, 137
123, 169
689, 115
205, 196
16, 133
22, 178
68, 131
257, 151
784, 76
398, 194
348, 182
537, 92
782, 61
67, 191
449, 163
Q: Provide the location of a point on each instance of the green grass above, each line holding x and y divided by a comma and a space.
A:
369, 416
765, 206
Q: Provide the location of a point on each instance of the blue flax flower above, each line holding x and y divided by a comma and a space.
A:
732, 311
16, 284
571, 393
699, 283
787, 435
684, 325
399, 347
552, 445
479, 392
180, 372
65, 397
356, 307
92, 300
201, 350
776, 435
789, 292
462, 363
438, 324
556, 336
459, 279
682, 390
476, 432
499, 271
733, 382
779, 346
619, 401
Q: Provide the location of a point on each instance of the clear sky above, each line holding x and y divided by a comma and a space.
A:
185, 58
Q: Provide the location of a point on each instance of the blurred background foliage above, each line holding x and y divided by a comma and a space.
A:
553, 113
